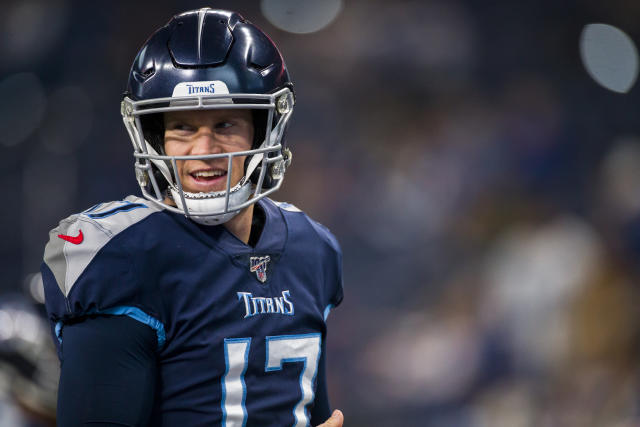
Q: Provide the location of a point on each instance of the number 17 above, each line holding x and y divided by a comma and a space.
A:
280, 349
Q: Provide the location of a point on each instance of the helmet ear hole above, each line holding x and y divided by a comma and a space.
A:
160, 179
267, 182
259, 134
260, 125
153, 130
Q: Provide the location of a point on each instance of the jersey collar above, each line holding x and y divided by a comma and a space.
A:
272, 239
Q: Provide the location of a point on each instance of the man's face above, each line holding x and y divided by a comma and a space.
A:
190, 133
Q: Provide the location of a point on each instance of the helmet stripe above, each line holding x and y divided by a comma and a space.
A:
201, 15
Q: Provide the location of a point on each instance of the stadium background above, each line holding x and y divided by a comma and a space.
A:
486, 192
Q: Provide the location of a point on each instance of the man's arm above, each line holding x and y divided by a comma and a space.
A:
108, 372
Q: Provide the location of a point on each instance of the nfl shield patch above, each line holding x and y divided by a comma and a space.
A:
258, 264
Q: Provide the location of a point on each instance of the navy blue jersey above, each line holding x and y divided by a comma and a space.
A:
240, 330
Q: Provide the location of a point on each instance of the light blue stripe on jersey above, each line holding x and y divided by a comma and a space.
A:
326, 311
133, 312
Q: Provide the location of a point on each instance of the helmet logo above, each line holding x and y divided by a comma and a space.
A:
200, 88
258, 265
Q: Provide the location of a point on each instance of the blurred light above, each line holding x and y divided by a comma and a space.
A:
49, 181
534, 273
507, 404
29, 29
9, 415
301, 16
6, 325
609, 56
34, 287
68, 120
22, 108
620, 178
28, 326
424, 360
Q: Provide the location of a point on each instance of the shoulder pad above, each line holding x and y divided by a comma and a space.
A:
77, 239
322, 231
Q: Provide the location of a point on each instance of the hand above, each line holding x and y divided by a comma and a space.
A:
335, 420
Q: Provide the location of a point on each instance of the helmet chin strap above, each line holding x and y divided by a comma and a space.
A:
206, 202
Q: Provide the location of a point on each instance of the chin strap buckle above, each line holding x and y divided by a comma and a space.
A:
142, 174
287, 155
279, 167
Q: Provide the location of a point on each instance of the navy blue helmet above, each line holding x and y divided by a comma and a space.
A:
208, 59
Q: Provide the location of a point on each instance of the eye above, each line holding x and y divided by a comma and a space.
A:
224, 125
180, 127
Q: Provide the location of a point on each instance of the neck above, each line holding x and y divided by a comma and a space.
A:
240, 225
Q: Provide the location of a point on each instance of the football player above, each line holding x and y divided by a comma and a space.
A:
204, 302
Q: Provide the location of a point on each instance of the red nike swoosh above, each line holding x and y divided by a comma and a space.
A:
76, 240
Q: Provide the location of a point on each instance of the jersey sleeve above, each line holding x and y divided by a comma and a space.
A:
109, 373
90, 268
334, 284
330, 254
333, 266
339, 280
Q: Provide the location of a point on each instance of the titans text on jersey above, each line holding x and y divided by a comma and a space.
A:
262, 305
240, 329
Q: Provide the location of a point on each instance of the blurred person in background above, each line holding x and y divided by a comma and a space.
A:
205, 302
28, 365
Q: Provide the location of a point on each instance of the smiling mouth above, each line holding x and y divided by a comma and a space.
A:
207, 176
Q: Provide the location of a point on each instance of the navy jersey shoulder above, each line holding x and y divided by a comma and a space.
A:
240, 329
322, 232
89, 267
311, 234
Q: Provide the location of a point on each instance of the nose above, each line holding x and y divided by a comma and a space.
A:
205, 142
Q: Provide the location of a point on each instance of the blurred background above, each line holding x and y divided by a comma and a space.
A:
478, 161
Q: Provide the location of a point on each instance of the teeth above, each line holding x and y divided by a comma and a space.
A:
208, 174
